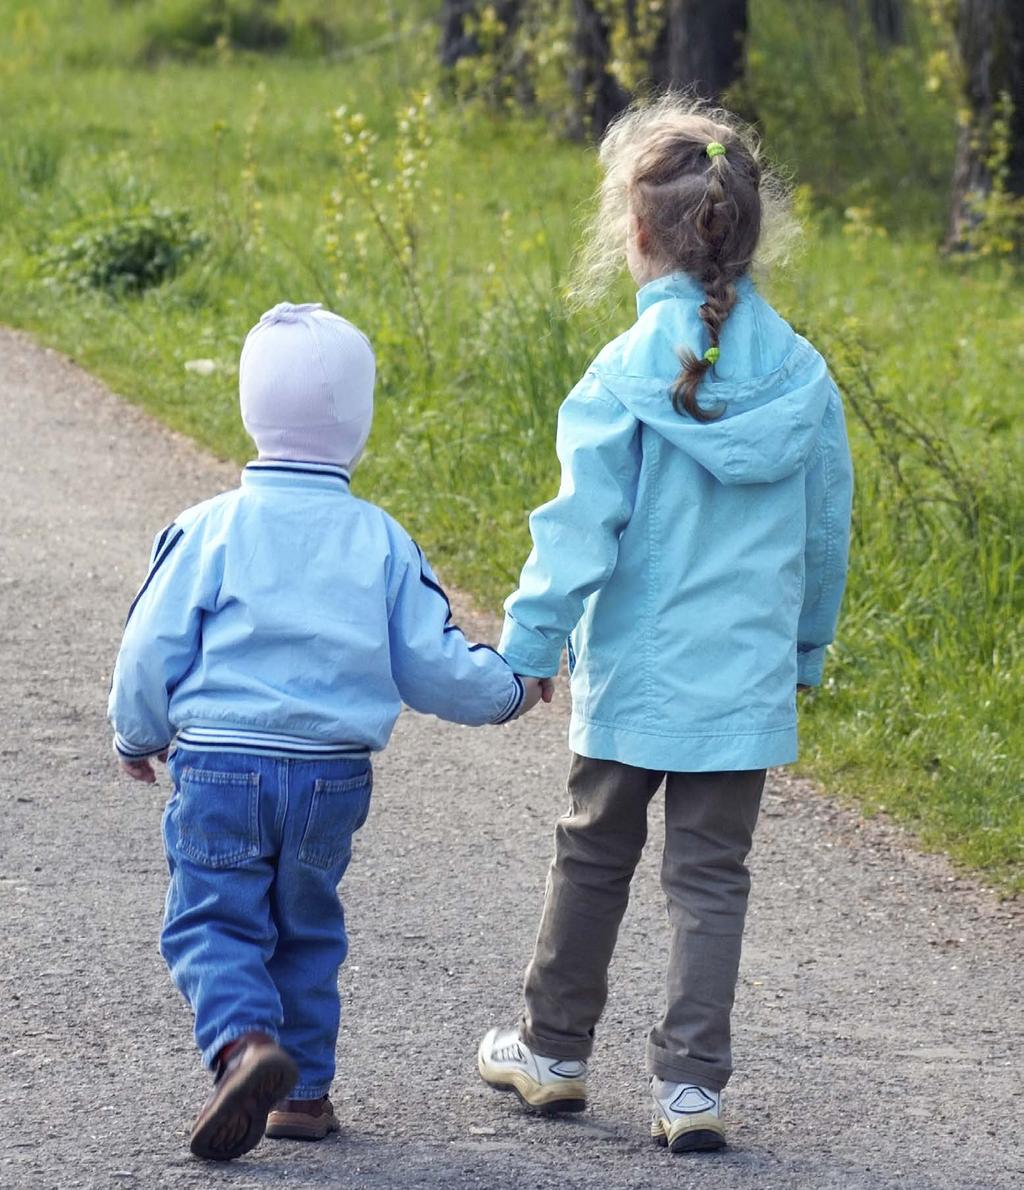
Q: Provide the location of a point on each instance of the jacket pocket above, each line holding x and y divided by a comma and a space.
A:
218, 817
336, 811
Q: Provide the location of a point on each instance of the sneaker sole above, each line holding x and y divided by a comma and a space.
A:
548, 1101
237, 1122
690, 1137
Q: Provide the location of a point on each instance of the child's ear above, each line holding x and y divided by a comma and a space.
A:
638, 234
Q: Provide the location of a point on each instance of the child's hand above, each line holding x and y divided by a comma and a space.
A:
142, 770
537, 690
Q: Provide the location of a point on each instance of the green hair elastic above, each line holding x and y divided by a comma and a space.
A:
712, 354
715, 149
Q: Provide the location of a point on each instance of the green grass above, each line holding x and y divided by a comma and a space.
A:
920, 713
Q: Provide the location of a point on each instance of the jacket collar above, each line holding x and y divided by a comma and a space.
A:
677, 285
288, 472
672, 285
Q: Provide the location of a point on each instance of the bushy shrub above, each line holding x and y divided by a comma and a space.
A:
122, 251
191, 28
864, 124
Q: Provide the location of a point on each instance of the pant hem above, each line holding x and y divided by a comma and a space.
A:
226, 1036
579, 1050
687, 1070
310, 1091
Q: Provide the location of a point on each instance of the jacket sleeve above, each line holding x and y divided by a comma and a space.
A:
829, 496
576, 535
160, 643
437, 671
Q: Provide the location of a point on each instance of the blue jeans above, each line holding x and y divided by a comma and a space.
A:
254, 932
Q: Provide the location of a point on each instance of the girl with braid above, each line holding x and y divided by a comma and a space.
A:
694, 560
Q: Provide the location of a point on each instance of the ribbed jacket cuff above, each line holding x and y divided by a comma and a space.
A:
810, 665
127, 751
529, 653
512, 707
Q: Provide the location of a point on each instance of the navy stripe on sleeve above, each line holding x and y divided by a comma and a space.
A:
160, 544
519, 692
428, 582
474, 648
158, 562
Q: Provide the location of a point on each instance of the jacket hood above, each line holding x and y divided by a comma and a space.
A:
770, 384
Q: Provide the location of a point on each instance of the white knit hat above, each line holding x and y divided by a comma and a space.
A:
305, 383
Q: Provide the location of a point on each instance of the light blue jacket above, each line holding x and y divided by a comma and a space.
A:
698, 566
289, 618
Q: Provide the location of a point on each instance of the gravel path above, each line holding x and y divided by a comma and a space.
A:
878, 1019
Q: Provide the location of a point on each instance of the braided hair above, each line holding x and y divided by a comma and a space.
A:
702, 214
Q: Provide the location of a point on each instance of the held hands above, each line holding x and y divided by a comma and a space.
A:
142, 770
537, 690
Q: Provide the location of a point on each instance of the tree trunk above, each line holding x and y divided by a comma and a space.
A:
597, 97
455, 42
990, 34
888, 18
702, 49
703, 46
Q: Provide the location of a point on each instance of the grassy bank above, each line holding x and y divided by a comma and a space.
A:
255, 187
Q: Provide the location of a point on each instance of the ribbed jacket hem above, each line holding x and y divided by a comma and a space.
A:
263, 743
701, 752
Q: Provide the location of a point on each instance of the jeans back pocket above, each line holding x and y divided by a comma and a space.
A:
337, 810
218, 817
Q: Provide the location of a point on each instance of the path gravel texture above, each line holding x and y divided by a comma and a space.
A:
878, 1019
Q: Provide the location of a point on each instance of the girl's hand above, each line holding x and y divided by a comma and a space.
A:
537, 690
142, 770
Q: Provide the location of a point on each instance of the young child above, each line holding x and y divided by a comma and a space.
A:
695, 558
278, 631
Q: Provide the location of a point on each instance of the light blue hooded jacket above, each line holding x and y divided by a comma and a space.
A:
288, 618
698, 566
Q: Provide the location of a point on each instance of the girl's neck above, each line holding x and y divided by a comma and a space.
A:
645, 271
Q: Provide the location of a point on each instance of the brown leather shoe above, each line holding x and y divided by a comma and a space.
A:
302, 1119
252, 1075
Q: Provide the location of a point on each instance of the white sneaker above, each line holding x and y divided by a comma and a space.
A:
686, 1117
548, 1085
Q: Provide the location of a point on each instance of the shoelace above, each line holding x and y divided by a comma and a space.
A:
510, 1053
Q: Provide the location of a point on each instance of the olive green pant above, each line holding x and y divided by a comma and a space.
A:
709, 821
